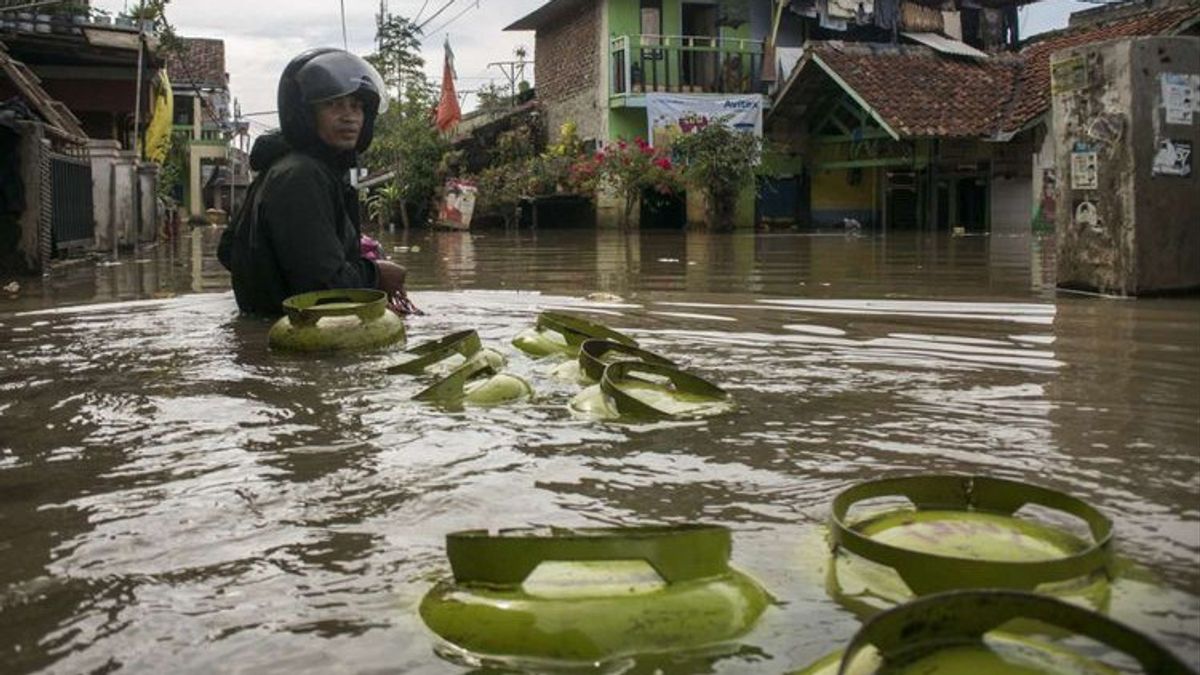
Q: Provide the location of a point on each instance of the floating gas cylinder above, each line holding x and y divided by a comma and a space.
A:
597, 354
336, 320
947, 532
449, 352
641, 390
480, 382
591, 595
562, 334
975, 632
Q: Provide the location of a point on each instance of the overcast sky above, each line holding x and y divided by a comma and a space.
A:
261, 36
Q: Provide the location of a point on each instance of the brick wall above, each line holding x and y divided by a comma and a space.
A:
567, 56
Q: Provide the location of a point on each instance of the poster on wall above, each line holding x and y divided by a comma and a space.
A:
1179, 96
673, 115
458, 206
1085, 170
1173, 158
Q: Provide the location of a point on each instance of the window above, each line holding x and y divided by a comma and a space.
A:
651, 24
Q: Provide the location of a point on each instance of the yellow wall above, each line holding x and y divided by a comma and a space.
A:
831, 190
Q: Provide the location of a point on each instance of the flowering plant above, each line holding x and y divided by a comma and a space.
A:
631, 169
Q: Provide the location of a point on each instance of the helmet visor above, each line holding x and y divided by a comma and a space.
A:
335, 74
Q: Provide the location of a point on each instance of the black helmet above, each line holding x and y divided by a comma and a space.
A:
322, 74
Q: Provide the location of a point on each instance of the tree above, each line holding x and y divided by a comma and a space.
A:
720, 161
398, 58
407, 142
493, 98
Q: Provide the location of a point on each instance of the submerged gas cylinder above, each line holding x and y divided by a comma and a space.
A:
644, 390
480, 382
974, 632
596, 354
591, 594
959, 532
336, 320
562, 334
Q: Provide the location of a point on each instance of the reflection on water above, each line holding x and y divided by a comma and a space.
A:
174, 498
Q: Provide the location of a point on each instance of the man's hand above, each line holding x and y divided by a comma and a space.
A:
391, 277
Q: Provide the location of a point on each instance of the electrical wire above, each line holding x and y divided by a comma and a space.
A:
422, 11
455, 18
436, 14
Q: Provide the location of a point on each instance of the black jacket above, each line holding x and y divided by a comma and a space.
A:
297, 230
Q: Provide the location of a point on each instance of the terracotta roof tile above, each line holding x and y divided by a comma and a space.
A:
921, 93
200, 64
1033, 87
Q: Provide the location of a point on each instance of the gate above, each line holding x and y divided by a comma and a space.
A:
72, 221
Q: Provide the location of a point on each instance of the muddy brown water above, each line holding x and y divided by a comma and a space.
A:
176, 498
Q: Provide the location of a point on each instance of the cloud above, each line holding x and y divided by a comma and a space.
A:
262, 36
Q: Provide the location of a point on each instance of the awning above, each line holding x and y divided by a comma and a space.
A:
946, 45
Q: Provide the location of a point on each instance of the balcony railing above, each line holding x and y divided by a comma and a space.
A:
686, 64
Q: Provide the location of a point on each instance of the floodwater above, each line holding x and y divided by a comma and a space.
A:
176, 499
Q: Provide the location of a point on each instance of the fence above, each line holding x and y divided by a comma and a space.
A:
72, 219
685, 63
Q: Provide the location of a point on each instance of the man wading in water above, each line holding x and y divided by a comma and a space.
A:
297, 230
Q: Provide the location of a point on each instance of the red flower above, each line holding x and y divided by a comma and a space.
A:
663, 163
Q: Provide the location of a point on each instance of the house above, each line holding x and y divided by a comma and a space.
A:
936, 137
203, 124
598, 62
90, 68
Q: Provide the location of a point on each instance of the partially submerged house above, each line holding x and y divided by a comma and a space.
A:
89, 71
915, 136
893, 113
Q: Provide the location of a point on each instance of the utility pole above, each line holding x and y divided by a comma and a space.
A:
137, 146
514, 72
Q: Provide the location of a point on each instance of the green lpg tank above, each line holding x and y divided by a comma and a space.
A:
975, 632
591, 595
596, 354
562, 334
946, 532
336, 320
645, 390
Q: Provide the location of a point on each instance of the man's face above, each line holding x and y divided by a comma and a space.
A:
339, 122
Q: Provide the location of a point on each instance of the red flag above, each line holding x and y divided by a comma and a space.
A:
448, 112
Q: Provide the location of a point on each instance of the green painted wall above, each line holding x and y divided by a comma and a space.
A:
627, 123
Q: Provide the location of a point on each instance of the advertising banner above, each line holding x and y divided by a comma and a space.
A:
674, 115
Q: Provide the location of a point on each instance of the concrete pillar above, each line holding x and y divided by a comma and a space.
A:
197, 119
122, 199
1129, 189
103, 154
31, 147
195, 195
148, 180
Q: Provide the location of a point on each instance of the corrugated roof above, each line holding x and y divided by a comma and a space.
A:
946, 45
1033, 86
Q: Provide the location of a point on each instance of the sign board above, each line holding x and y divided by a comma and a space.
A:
458, 206
674, 115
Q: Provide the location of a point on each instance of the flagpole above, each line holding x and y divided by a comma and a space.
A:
345, 43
